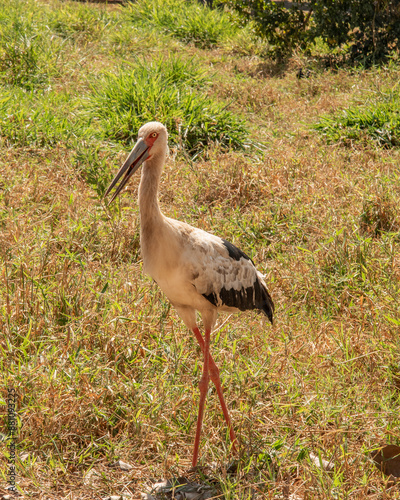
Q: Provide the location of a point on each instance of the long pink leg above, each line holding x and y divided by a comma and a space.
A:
214, 375
203, 386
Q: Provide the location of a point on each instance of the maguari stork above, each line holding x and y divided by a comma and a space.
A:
196, 270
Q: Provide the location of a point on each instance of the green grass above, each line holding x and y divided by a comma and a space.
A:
82, 24
103, 367
37, 109
168, 90
188, 21
378, 120
29, 56
40, 118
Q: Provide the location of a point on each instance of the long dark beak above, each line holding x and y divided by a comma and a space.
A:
137, 156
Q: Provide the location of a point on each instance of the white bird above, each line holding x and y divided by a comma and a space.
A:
196, 270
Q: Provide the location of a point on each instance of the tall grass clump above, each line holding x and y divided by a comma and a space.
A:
378, 120
41, 119
167, 90
189, 21
379, 215
83, 23
347, 266
29, 55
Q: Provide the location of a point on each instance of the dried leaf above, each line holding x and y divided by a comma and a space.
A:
321, 463
116, 497
387, 459
24, 456
121, 465
180, 489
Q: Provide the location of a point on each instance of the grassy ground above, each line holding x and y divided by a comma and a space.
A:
103, 367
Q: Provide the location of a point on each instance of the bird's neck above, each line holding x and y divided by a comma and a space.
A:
149, 207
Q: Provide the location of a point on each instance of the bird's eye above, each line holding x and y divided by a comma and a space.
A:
154, 134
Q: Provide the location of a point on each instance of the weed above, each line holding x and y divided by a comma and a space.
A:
379, 215
377, 120
28, 56
93, 162
166, 90
187, 21
41, 118
83, 23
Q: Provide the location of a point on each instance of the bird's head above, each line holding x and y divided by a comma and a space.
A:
152, 144
155, 136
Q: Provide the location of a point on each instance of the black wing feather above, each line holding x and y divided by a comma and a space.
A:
253, 297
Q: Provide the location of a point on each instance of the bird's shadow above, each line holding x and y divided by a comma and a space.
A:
198, 483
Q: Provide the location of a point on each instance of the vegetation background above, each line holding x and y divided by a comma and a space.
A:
368, 31
301, 173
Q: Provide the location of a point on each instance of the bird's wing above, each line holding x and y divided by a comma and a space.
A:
226, 276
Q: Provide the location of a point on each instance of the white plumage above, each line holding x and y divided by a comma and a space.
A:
196, 270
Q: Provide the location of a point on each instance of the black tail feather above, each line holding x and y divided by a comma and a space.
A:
267, 306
